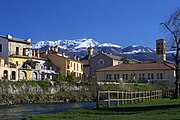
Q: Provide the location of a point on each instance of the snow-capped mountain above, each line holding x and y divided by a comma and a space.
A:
79, 47
137, 49
67, 44
109, 45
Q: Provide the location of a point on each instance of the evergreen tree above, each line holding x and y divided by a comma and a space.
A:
70, 79
60, 78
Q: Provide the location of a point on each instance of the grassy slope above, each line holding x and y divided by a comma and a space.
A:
163, 109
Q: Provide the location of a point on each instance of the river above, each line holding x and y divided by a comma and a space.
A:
17, 112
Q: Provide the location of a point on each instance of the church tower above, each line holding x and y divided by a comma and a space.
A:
90, 51
160, 50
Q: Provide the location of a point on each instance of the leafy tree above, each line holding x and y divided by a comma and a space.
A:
172, 26
125, 60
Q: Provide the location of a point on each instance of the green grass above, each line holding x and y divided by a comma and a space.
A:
162, 109
129, 87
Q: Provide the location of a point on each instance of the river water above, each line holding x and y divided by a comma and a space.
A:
17, 112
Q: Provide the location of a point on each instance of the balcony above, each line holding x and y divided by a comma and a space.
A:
19, 54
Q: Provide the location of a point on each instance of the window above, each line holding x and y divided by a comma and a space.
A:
74, 66
149, 76
161, 76
24, 51
77, 67
123, 76
115, 76
118, 76
140, 77
132, 76
110, 76
152, 76
107, 76
17, 50
126, 76
143, 76
17, 63
157, 75
0, 47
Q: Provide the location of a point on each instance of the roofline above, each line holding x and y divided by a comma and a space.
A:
170, 68
16, 40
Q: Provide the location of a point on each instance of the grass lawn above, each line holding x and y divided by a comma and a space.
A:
161, 109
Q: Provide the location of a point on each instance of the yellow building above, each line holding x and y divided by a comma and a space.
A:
8, 71
17, 51
64, 63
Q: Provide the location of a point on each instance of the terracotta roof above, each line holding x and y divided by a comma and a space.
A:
138, 66
15, 40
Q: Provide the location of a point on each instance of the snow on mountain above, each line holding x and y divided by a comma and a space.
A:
109, 45
64, 44
87, 43
79, 46
137, 49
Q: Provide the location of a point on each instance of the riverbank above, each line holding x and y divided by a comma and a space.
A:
161, 109
23, 92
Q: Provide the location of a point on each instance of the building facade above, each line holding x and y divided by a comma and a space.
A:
18, 52
159, 71
140, 73
8, 71
64, 64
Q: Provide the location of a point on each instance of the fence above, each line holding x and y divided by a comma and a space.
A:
125, 97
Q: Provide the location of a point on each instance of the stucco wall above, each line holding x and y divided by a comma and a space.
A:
167, 75
9, 70
13, 45
95, 65
58, 61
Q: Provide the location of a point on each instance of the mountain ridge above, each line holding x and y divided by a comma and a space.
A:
79, 47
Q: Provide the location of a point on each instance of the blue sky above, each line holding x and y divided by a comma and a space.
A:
122, 22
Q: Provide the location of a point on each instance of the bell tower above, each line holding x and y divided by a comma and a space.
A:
160, 50
90, 51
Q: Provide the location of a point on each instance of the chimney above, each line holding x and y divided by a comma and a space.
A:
100, 51
109, 53
38, 54
78, 58
160, 50
46, 52
34, 53
9, 36
52, 48
63, 54
75, 57
28, 40
56, 48
90, 51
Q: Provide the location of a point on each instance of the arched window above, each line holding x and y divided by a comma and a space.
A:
13, 75
23, 75
34, 76
5, 74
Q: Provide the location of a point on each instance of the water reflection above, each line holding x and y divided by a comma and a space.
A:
17, 112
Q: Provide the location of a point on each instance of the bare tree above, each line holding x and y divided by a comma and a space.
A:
172, 25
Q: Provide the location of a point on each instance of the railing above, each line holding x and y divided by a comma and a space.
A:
125, 97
